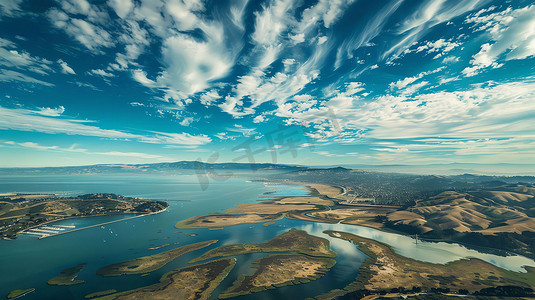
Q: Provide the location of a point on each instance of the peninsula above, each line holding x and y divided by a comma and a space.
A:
19, 213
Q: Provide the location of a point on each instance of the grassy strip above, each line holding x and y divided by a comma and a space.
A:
100, 294
280, 270
198, 281
224, 220
150, 263
19, 293
291, 241
67, 276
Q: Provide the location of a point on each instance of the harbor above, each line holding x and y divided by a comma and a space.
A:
48, 230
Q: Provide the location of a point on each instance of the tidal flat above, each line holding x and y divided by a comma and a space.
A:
291, 241
188, 283
278, 270
150, 263
68, 276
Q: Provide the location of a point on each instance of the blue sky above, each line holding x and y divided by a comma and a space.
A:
307, 82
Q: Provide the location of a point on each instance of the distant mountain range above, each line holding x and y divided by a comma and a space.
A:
181, 167
192, 167
450, 169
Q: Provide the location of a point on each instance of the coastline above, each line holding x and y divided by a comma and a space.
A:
314, 192
137, 215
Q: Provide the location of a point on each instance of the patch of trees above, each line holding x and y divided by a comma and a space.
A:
151, 206
506, 291
522, 243
498, 291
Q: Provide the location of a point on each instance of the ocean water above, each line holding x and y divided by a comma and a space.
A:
28, 262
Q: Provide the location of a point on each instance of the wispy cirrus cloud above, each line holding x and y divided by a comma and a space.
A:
16, 61
428, 15
512, 33
65, 68
371, 30
75, 149
10, 8
191, 64
14, 76
47, 120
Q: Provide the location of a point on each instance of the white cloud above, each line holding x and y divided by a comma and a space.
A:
122, 7
129, 154
430, 14
403, 83
439, 47
326, 11
353, 88
13, 76
101, 72
141, 77
413, 88
448, 79
10, 7
450, 59
11, 57
513, 33
298, 38
186, 121
191, 63
65, 69
73, 148
209, 97
246, 132
363, 37
224, 136
259, 119
272, 21
46, 120
29, 120
33, 145
92, 36
233, 107
279, 87
503, 110
184, 139
51, 112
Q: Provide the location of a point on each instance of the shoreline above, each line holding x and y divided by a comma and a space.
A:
309, 186
22, 295
313, 192
137, 215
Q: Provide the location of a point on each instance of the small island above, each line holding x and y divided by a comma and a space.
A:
252, 213
68, 276
18, 213
291, 241
19, 293
217, 221
310, 260
149, 263
100, 294
192, 282
278, 270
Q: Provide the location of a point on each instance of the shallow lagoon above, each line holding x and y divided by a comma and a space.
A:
30, 262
